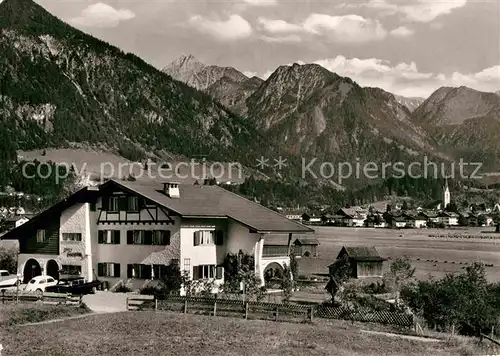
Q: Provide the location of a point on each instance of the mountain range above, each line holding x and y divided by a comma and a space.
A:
60, 87
452, 123
464, 122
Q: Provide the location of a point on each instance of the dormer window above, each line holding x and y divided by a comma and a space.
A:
114, 204
40, 236
133, 204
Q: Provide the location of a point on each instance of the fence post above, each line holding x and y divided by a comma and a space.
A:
215, 308
127, 303
276, 315
312, 314
185, 306
156, 303
3, 296
246, 310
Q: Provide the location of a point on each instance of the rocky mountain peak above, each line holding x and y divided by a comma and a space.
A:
187, 61
411, 103
454, 105
194, 73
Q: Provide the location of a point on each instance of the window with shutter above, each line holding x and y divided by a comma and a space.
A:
219, 237
122, 203
100, 269
117, 270
133, 204
100, 237
114, 204
115, 237
219, 272
196, 274
105, 203
197, 238
148, 237
130, 269
130, 237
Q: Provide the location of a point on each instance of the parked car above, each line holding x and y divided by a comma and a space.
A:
7, 279
40, 283
76, 285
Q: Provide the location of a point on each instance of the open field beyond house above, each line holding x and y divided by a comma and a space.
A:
430, 255
163, 333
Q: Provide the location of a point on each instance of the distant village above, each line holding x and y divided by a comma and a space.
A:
442, 215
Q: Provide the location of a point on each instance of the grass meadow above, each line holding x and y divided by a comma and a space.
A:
164, 333
431, 256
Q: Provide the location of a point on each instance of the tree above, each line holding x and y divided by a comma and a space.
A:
239, 269
340, 272
452, 207
8, 259
465, 301
287, 284
401, 273
405, 206
294, 267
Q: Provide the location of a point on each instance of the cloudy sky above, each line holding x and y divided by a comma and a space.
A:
409, 47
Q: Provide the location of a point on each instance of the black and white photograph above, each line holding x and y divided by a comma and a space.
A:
250, 177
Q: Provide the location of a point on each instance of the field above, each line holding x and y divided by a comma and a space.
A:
163, 333
431, 256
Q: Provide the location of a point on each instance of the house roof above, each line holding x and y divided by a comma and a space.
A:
449, 214
205, 201
330, 216
81, 195
305, 241
195, 201
430, 214
361, 253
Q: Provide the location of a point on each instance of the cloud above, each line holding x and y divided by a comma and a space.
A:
402, 31
234, 28
405, 78
347, 28
417, 10
282, 39
101, 15
262, 3
278, 26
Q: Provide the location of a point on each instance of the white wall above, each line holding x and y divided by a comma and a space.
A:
75, 219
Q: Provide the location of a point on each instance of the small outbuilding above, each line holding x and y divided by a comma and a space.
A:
306, 247
365, 261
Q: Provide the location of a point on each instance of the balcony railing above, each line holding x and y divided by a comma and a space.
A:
275, 251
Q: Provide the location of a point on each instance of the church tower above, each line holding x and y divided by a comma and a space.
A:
446, 195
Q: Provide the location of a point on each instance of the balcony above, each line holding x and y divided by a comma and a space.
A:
275, 251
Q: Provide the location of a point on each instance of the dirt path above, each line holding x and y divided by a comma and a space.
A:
59, 320
407, 337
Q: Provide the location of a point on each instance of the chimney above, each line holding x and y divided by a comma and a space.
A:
171, 190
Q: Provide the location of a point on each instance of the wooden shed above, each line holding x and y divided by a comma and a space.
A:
306, 247
365, 261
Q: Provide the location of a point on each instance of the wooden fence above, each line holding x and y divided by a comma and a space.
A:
265, 311
12, 296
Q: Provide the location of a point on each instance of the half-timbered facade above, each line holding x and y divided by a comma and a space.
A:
131, 231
